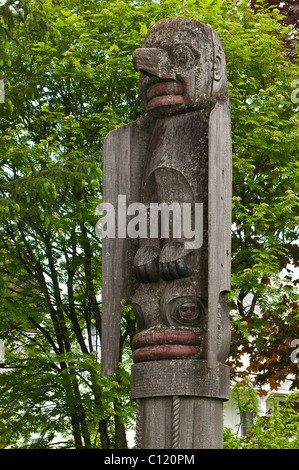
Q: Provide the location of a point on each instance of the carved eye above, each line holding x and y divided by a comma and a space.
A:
182, 56
184, 311
189, 312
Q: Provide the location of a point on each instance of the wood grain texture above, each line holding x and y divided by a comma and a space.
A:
187, 377
180, 422
219, 218
123, 162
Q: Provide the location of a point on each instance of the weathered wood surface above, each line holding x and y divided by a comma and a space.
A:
219, 218
123, 165
179, 422
115, 264
179, 377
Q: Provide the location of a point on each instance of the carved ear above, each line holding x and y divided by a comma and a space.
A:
219, 83
218, 68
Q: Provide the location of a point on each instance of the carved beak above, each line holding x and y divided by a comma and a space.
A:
153, 62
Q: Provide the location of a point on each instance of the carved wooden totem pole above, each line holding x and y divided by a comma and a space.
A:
180, 152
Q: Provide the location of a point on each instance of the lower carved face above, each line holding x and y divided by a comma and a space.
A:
171, 324
178, 66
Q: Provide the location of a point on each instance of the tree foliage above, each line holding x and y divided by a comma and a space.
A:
289, 9
69, 80
277, 429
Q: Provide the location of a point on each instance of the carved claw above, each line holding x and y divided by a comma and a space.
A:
146, 264
175, 262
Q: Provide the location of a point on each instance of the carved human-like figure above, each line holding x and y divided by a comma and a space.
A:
183, 151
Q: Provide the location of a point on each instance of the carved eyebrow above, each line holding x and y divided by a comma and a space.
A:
190, 47
194, 50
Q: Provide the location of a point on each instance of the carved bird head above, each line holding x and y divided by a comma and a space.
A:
181, 65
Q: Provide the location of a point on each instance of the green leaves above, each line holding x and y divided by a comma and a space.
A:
278, 429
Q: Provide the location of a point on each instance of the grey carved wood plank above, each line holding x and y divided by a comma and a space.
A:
114, 261
219, 203
123, 163
179, 377
157, 419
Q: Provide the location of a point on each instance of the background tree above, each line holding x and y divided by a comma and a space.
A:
69, 80
278, 429
289, 10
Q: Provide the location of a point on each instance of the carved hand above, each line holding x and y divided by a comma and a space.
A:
175, 261
146, 264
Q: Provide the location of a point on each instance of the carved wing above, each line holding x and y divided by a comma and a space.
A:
219, 201
123, 162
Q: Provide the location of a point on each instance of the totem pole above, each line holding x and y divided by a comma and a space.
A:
177, 156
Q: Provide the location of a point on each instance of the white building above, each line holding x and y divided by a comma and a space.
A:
239, 421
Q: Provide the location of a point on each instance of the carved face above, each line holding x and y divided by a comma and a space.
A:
182, 67
171, 321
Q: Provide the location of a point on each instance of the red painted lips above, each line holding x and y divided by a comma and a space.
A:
165, 344
165, 94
